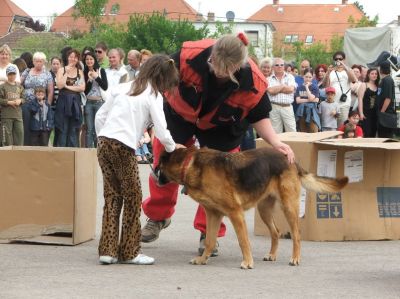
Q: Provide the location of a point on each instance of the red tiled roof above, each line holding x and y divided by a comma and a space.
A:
322, 21
175, 9
7, 12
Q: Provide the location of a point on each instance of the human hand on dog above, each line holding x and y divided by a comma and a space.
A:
286, 150
178, 146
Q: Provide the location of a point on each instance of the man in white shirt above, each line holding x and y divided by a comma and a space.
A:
281, 88
133, 64
116, 72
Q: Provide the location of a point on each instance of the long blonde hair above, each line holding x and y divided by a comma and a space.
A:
160, 72
229, 52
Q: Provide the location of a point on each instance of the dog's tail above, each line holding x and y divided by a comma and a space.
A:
320, 184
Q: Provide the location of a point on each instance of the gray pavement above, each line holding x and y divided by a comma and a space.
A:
328, 269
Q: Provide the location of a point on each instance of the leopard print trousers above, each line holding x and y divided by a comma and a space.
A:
121, 188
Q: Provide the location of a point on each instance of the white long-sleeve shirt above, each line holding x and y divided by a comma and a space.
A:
125, 118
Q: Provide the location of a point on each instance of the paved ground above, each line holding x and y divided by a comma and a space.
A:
328, 269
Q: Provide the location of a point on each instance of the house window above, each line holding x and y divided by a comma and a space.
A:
288, 39
309, 39
253, 37
291, 38
114, 9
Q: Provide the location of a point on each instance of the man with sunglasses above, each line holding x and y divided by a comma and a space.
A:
101, 54
340, 77
281, 94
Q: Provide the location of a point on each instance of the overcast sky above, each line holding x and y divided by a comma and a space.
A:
386, 9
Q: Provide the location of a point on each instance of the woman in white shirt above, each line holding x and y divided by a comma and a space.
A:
120, 123
340, 78
5, 61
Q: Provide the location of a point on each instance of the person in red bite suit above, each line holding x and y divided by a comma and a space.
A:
220, 93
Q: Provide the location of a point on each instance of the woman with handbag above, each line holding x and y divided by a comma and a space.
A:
387, 120
340, 78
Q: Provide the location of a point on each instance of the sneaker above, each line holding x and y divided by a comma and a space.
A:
107, 260
202, 246
140, 259
151, 231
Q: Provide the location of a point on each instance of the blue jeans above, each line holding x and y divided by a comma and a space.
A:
248, 141
142, 151
90, 111
67, 135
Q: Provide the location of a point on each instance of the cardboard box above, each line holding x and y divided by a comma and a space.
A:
48, 195
367, 209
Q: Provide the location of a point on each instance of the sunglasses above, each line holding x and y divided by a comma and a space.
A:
338, 58
279, 64
98, 51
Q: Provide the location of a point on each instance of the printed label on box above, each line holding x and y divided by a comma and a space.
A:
327, 163
353, 166
329, 205
388, 202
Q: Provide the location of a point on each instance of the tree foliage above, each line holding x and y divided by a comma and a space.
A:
35, 25
365, 21
90, 10
157, 33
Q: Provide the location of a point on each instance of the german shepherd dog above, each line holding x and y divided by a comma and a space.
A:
227, 184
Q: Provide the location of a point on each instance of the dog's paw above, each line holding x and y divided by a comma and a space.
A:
294, 262
247, 265
199, 260
270, 258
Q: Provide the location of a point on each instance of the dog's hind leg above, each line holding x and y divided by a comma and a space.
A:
265, 209
239, 223
214, 219
290, 194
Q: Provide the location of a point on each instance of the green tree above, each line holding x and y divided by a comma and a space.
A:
158, 34
91, 11
365, 21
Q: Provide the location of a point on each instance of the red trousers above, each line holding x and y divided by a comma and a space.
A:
161, 203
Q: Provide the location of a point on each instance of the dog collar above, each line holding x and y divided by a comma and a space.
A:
185, 166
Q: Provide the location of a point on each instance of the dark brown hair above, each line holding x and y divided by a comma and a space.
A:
160, 72
40, 89
369, 72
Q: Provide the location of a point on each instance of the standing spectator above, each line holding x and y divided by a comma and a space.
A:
42, 121
68, 114
5, 61
367, 104
340, 78
55, 66
32, 78
307, 98
101, 54
142, 152
96, 85
281, 94
134, 58
320, 72
385, 98
21, 64
11, 99
266, 66
116, 72
355, 86
145, 55
329, 111
28, 58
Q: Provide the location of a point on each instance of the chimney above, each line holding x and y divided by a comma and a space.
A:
275, 2
211, 17
345, 2
199, 17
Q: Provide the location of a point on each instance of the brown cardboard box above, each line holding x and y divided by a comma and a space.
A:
48, 195
367, 209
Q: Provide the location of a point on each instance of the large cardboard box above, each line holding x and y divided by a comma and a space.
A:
48, 195
367, 209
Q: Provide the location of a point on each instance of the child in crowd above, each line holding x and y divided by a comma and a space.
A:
142, 153
11, 99
120, 123
352, 125
42, 121
329, 110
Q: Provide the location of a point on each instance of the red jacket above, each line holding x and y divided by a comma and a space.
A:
187, 99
